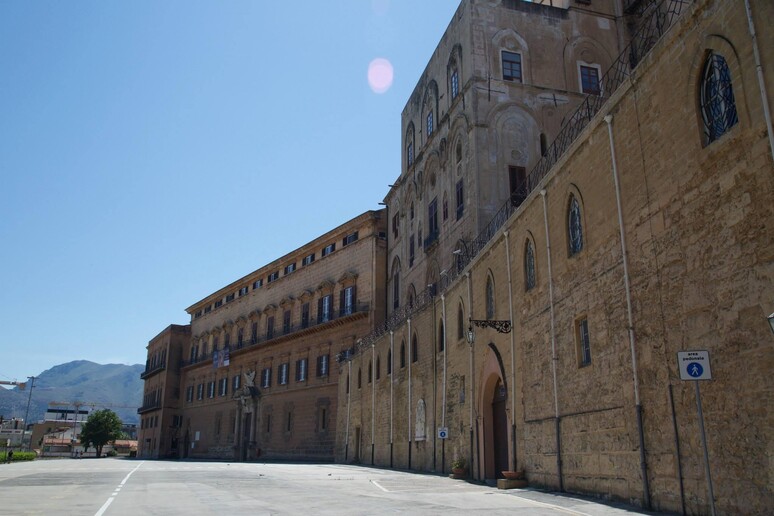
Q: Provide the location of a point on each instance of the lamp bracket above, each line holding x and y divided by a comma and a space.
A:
500, 326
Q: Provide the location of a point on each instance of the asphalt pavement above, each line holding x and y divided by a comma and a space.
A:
122, 487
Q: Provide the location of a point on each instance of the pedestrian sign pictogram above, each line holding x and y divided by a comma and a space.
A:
694, 365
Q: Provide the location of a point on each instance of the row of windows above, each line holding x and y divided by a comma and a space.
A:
156, 360
301, 371
589, 76
274, 276
220, 387
325, 313
152, 399
149, 422
434, 228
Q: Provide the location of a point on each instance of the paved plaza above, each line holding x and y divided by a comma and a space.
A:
138, 487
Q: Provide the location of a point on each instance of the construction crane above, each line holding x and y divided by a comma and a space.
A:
20, 385
92, 404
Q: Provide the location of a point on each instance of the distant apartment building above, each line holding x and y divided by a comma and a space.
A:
255, 376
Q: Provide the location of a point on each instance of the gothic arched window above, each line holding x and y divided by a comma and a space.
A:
716, 98
529, 266
490, 298
574, 226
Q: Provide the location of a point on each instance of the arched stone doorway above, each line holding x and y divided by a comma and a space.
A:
494, 418
499, 430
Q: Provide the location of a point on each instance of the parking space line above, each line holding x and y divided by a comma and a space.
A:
374, 482
105, 505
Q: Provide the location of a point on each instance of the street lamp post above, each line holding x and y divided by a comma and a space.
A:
27, 412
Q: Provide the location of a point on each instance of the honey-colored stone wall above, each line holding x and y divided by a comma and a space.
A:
697, 222
298, 419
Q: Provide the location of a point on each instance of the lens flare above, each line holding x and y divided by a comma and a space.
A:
380, 75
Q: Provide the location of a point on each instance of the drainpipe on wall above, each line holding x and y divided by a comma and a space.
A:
554, 357
349, 394
392, 372
630, 319
408, 359
761, 82
373, 398
443, 383
470, 401
512, 393
435, 383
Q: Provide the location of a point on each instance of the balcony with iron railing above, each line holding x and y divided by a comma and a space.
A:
150, 371
149, 407
654, 18
335, 316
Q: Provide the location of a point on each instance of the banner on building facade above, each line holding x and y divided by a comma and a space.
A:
221, 358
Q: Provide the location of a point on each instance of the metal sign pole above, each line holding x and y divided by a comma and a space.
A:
704, 445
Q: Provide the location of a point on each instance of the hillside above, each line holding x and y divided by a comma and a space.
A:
108, 386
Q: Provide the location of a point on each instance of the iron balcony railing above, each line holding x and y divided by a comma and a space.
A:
334, 315
654, 18
153, 370
147, 408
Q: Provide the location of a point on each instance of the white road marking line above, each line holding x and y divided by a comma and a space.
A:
552, 506
104, 507
374, 482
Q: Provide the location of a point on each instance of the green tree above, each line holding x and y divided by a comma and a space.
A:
102, 427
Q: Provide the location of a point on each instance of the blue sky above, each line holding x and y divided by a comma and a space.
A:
153, 152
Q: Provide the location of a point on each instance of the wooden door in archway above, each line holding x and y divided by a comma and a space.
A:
500, 430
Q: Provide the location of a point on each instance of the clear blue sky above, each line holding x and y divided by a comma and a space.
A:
153, 152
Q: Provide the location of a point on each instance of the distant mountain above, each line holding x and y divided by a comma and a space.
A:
114, 386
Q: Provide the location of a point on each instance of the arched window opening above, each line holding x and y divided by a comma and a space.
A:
441, 337
370, 371
529, 266
402, 354
389, 362
359, 378
460, 323
716, 97
490, 298
378, 367
575, 228
414, 349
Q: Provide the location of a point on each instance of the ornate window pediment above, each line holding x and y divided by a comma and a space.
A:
326, 287
305, 295
348, 278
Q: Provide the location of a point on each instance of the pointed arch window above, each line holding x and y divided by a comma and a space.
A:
414, 349
529, 266
490, 298
574, 226
460, 323
716, 96
455, 83
378, 367
402, 354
